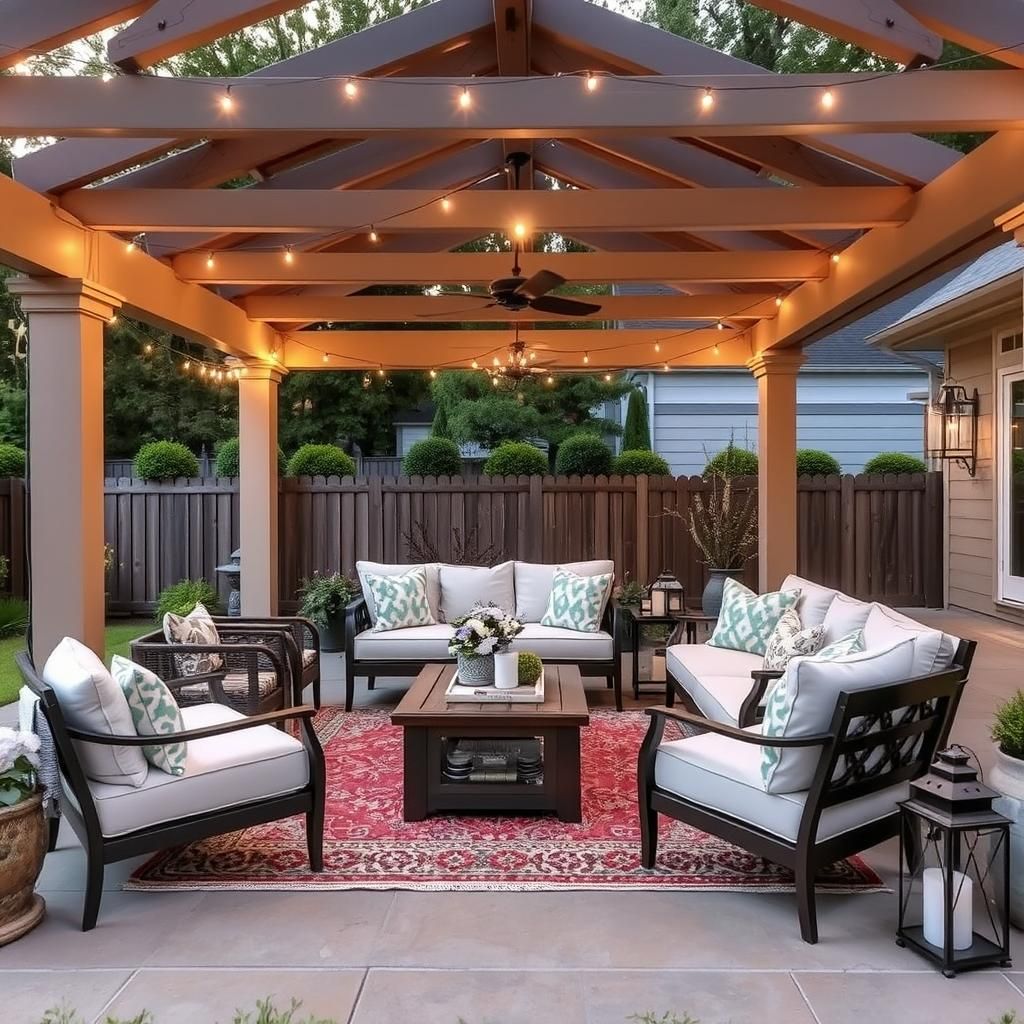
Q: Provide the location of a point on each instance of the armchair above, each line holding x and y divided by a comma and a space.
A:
880, 738
241, 771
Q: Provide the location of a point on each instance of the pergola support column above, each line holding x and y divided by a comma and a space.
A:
258, 488
776, 376
65, 430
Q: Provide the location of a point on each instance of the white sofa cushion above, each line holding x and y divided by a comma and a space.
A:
844, 615
90, 700
222, 771
814, 599
533, 582
432, 570
553, 642
804, 700
933, 649
716, 678
418, 643
463, 587
724, 775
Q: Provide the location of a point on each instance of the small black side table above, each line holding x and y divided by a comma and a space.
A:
685, 623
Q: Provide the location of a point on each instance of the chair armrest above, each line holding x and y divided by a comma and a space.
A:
167, 738
749, 709
214, 680
732, 732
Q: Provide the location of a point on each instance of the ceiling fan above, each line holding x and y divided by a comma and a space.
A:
517, 293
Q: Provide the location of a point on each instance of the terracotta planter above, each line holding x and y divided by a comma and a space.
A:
1007, 776
22, 848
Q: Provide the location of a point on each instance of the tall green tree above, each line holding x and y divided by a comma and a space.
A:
636, 434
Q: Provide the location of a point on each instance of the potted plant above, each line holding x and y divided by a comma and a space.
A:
629, 595
1007, 776
22, 835
323, 602
724, 528
479, 635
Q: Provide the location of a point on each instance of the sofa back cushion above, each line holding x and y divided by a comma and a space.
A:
431, 569
463, 587
747, 620
933, 650
90, 700
844, 615
804, 700
813, 602
533, 584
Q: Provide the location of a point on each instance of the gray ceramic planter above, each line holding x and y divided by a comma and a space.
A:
711, 599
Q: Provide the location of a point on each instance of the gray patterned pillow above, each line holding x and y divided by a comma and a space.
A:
197, 627
155, 712
401, 601
791, 639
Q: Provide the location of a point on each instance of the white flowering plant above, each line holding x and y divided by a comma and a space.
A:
485, 629
19, 761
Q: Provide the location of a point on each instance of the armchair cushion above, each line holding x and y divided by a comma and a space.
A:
222, 771
91, 701
401, 601
235, 685
814, 600
533, 584
431, 569
716, 678
724, 775
933, 650
197, 627
747, 620
844, 616
154, 711
576, 602
463, 587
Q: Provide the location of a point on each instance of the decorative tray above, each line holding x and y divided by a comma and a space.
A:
458, 693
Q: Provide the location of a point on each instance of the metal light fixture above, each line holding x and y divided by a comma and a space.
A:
956, 426
667, 595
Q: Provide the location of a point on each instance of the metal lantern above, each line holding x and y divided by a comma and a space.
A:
956, 426
954, 869
667, 595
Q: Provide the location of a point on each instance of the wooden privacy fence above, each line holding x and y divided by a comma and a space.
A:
876, 537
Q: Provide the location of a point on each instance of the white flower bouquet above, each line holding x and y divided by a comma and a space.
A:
484, 630
19, 762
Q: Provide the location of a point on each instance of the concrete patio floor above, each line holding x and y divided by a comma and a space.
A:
506, 958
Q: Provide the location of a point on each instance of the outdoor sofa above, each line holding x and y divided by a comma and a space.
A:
522, 588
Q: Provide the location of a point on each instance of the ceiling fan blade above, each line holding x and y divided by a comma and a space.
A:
563, 306
448, 313
540, 284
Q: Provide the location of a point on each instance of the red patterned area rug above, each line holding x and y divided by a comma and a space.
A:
368, 846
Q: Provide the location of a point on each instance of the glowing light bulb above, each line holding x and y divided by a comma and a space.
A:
210, 261
227, 102
778, 302
519, 230
113, 320
289, 256
475, 365
465, 98
550, 380
326, 358
707, 100
657, 346
380, 372
186, 365
351, 89
433, 374
607, 377
716, 349
446, 204
131, 245
496, 361
149, 348
835, 257
720, 325
373, 236
828, 99
592, 81
586, 357
665, 367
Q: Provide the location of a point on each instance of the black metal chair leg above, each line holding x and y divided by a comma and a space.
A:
93, 888
805, 903
316, 693
370, 680
350, 686
315, 837
54, 831
648, 835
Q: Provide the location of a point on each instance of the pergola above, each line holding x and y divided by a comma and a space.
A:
775, 207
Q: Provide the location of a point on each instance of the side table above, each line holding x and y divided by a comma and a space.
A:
685, 623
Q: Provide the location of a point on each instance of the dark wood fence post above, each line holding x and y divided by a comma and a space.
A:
536, 518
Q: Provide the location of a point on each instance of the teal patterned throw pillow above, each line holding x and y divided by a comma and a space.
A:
155, 712
747, 620
401, 601
576, 601
779, 708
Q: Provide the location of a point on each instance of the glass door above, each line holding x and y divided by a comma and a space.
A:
1011, 526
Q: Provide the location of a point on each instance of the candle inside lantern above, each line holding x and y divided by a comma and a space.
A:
935, 909
657, 602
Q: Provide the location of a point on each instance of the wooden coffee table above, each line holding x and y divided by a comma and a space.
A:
432, 726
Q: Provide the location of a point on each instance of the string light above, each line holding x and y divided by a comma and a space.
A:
657, 346
465, 98
351, 89
707, 100
665, 367
550, 380
132, 244
227, 102
326, 358
496, 361
210, 261
720, 325
185, 365
475, 365
433, 374
446, 204
778, 301
289, 255
607, 377
835, 257
519, 230
380, 371
113, 321
716, 348
586, 357
202, 371
592, 81
373, 236
828, 99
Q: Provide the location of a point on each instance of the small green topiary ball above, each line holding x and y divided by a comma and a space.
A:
516, 458
732, 461
639, 462
812, 462
433, 456
530, 668
165, 460
12, 460
320, 460
583, 455
895, 462
226, 463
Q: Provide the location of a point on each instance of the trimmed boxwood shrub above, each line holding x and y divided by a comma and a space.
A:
812, 462
320, 460
12, 460
582, 455
165, 460
433, 456
226, 463
732, 461
638, 462
516, 458
181, 597
895, 462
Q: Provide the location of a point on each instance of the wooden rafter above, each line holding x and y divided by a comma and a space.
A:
981, 25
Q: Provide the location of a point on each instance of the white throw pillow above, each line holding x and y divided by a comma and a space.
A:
884, 627
463, 587
533, 584
814, 600
90, 700
197, 627
791, 640
432, 570
401, 601
844, 615
804, 700
155, 712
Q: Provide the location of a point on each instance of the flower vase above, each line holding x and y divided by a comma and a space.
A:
23, 838
476, 669
506, 670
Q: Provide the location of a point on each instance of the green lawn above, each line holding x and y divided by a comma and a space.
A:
120, 632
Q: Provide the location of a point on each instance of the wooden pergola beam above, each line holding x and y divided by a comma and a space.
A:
535, 107
38, 239
315, 210
468, 268
473, 308
981, 25
556, 349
